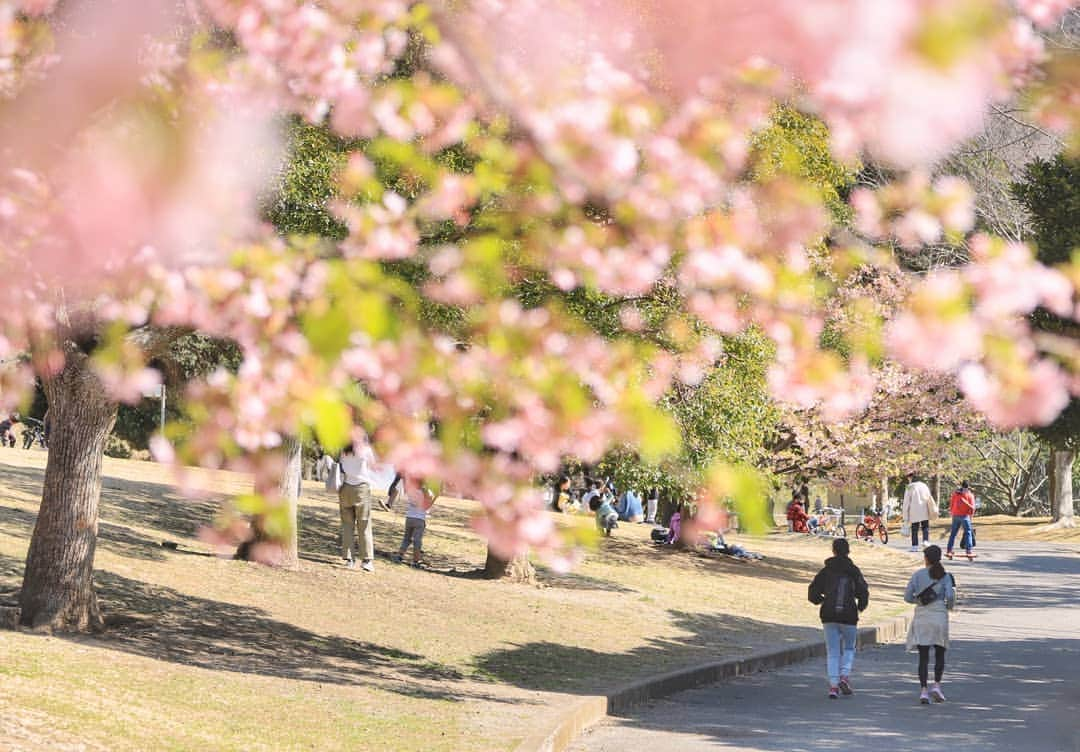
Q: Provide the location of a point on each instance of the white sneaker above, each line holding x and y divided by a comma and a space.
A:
914, 549
368, 566
924, 697
936, 693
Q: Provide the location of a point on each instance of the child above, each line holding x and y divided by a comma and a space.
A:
606, 516
418, 501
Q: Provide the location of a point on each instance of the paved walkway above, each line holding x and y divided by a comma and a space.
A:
1012, 679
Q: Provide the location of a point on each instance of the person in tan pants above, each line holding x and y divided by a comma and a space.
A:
354, 502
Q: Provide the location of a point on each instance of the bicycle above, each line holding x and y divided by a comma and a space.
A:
872, 525
830, 522
33, 433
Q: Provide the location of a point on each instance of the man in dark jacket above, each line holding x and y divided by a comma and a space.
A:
841, 591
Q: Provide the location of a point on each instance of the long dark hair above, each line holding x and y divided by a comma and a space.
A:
932, 554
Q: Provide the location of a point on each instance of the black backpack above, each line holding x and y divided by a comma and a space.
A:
842, 599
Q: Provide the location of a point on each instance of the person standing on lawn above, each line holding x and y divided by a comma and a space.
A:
354, 504
418, 501
931, 590
841, 591
918, 509
962, 509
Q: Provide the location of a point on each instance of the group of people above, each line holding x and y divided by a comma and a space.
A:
800, 517
919, 508
32, 430
842, 593
353, 477
604, 502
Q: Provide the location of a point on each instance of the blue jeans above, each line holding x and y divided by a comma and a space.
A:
839, 650
958, 522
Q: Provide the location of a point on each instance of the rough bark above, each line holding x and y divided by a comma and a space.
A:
1061, 497
290, 495
58, 589
287, 555
518, 569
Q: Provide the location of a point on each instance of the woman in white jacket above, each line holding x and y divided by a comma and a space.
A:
918, 509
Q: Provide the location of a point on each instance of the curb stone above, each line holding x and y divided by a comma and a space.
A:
594, 708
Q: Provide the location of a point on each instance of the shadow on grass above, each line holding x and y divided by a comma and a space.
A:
550, 666
164, 624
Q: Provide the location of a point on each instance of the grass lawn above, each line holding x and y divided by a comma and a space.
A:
1003, 527
215, 654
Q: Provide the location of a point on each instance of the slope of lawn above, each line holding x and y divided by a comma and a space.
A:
216, 654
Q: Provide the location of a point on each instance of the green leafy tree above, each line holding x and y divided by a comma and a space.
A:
1050, 193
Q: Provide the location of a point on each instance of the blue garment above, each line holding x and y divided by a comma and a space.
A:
630, 506
958, 521
839, 650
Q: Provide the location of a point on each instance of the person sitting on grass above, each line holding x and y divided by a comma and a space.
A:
675, 527
606, 516
798, 518
629, 507
418, 501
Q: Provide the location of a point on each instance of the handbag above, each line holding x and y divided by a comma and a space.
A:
334, 478
928, 595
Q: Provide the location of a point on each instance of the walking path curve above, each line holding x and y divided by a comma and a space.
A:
1012, 680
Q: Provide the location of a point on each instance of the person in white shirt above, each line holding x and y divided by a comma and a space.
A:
919, 508
418, 501
323, 466
354, 504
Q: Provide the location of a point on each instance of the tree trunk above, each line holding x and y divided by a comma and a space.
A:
518, 569
286, 553
884, 493
1061, 498
58, 587
290, 495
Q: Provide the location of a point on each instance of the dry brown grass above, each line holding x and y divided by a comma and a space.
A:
1002, 527
212, 653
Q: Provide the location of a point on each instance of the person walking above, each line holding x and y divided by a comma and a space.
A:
931, 590
418, 502
841, 591
962, 509
918, 509
354, 504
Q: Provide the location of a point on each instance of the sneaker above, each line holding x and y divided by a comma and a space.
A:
350, 564
948, 555
924, 697
845, 686
936, 693
398, 558
914, 549
834, 693
368, 566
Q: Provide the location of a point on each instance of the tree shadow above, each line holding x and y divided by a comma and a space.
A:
164, 624
542, 666
19, 523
